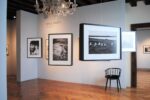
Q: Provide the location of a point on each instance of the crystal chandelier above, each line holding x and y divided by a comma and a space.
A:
55, 7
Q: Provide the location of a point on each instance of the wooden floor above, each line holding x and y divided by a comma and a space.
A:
52, 90
143, 80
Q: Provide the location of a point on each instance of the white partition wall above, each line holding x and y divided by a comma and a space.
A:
3, 83
26, 28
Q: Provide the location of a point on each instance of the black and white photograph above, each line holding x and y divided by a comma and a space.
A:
99, 42
146, 49
102, 44
34, 47
60, 49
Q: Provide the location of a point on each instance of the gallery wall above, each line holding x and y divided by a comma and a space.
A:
26, 28
11, 47
3, 83
143, 38
85, 72
81, 72
138, 14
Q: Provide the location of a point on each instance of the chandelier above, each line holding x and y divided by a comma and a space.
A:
55, 7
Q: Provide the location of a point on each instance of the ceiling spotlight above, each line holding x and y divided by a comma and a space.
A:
14, 17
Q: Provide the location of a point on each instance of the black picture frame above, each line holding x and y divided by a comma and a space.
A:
99, 42
46, 49
60, 51
34, 47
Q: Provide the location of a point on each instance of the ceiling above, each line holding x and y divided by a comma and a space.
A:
28, 5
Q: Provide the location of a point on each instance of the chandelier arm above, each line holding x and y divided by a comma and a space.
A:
75, 2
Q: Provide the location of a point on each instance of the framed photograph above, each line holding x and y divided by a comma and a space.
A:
98, 42
60, 49
34, 47
129, 41
146, 49
7, 51
46, 49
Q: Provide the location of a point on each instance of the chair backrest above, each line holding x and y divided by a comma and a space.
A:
113, 71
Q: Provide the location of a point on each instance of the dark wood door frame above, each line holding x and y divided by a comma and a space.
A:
134, 27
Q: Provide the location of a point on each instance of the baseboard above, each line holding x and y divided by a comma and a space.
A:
143, 69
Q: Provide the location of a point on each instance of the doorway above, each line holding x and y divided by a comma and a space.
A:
11, 49
134, 27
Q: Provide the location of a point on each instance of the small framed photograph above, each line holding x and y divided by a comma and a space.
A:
98, 42
7, 51
46, 49
34, 47
60, 49
146, 49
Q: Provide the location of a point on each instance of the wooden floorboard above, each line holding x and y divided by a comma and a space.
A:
40, 89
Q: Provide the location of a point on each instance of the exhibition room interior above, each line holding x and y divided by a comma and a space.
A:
63, 49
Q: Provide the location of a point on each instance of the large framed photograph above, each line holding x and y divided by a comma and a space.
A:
34, 47
98, 42
60, 49
146, 49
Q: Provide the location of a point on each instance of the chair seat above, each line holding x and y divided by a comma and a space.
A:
112, 76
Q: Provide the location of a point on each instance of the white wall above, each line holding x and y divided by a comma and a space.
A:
138, 14
87, 72
26, 28
80, 72
11, 42
3, 83
143, 38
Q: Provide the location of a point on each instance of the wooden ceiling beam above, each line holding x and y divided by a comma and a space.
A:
22, 3
21, 7
127, 1
81, 3
32, 2
133, 3
102, 1
92, 1
147, 2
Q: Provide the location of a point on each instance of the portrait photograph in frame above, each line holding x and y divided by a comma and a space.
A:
146, 49
60, 49
34, 47
99, 42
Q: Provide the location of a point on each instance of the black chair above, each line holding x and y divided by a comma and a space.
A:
113, 74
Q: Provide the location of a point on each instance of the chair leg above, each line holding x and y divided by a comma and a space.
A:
119, 83
106, 84
109, 83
